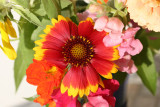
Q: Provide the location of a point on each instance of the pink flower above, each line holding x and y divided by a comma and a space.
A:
92, 12
130, 45
63, 100
97, 101
86, 14
104, 96
114, 28
126, 64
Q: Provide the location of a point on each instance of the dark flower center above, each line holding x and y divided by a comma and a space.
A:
78, 51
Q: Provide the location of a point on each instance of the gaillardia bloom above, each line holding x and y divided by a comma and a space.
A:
145, 13
6, 29
81, 50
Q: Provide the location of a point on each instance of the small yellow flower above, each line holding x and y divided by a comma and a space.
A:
7, 29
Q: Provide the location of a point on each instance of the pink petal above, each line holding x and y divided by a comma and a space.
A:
126, 64
87, 105
112, 39
101, 23
83, 16
98, 101
63, 100
135, 47
132, 67
114, 25
130, 32
121, 51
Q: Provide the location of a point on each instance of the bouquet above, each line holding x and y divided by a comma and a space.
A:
79, 52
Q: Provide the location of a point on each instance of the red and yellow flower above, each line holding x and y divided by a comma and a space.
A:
80, 49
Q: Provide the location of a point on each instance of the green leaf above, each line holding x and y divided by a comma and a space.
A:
153, 39
31, 98
39, 30
23, 3
120, 76
146, 66
27, 14
47, 105
65, 3
38, 8
51, 8
25, 52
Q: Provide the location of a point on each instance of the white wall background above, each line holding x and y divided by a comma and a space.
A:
8, 96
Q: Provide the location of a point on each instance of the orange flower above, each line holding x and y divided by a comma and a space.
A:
46, 76
145, 13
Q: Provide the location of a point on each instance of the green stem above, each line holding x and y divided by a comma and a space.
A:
74, 6
14, 39
57, 6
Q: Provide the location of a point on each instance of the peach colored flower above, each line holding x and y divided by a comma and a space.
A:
97, 8
145, 13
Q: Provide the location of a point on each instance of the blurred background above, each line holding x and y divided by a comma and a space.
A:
137, 94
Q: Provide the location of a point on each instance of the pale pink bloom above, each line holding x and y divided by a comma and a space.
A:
92, 12
130, 45
114, 28
126, 64
84, 15
112, 39
145, 13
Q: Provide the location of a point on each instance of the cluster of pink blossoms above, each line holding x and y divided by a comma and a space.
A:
117, 35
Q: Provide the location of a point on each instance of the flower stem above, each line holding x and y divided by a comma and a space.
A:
57, 6
74, 6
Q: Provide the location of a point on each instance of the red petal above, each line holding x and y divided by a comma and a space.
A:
111, 84
53, 54
52, 43
103, 67
91, 74
61, 31
85, 28
111, 100
96, 37
75, 80
108, 53
73, 28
